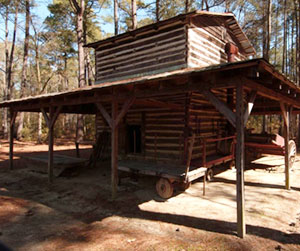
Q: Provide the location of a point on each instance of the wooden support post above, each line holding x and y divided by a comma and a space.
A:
50, 147
113, 121
286, 118
239, 159
50, 121
114, 148
13, 116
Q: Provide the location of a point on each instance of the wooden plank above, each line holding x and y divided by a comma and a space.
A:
114, 148
13, 116
286, 116
221, 107
249, 106
104, 114
239, 163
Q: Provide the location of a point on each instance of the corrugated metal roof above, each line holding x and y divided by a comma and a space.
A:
229, 20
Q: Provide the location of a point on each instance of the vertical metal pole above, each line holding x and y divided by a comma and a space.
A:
241, 226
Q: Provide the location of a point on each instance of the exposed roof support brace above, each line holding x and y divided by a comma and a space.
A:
249, 106
221, 107
128, 103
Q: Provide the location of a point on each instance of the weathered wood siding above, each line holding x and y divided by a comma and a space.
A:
206, 122
159, 51
164, 130
206, 42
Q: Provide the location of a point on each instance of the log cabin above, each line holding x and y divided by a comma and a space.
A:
172, 105
158, 130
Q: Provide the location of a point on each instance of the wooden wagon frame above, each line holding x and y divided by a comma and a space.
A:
272, 144
181, 176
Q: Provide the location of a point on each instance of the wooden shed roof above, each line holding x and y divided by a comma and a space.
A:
228, 19
255, 74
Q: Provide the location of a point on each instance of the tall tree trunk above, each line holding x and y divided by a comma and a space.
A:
24, 67
187, 6
79, 11
39, 82
5, 111
116, 17
11, 58
276, 36
269, 29
133, 13
284, 37
157, 10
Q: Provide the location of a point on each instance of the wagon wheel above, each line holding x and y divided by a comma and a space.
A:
292, 152
184, 186
164, 188
209, 174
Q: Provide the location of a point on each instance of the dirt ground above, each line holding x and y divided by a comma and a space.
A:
76, 212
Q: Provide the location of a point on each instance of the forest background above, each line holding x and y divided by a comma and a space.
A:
42, 51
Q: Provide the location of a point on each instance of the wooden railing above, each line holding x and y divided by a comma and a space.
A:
212, 140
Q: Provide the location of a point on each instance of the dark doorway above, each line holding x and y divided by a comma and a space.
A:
134, 138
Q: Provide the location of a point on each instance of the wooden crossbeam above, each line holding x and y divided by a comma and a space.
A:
124, 109
51, 118
47, 120
250, 104
104, 114
221, 107
269, 93
157, 103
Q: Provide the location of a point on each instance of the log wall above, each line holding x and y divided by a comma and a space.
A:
160, 51
206, 43
164, 131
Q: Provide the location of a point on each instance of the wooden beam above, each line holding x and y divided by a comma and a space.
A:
284, 113
50, 146
221, 107
114, 148
50, 121
269, 93
47, 120
55, 115
129, 102
250, 105
239, 163
104, 114
286, 117
157, 103
13, 116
